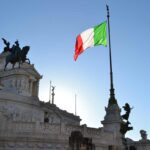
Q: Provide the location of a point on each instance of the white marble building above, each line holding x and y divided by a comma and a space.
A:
27, 123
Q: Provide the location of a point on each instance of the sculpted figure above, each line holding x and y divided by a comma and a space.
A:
143, 134
124, 126
127, 108
53, 94
7, 47
16, 49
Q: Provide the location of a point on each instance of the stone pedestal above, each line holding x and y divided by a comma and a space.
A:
112, 118
112, 121
23, 81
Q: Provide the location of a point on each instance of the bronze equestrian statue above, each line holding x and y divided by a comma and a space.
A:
16, 54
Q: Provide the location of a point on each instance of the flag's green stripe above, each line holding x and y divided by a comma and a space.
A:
100, 34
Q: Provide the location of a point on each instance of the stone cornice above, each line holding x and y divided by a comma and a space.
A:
25, 69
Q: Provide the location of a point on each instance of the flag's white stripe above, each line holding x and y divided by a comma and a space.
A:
88, 38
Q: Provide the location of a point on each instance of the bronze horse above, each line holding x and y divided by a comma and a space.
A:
19, 57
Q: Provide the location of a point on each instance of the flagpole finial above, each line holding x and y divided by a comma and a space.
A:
107, 7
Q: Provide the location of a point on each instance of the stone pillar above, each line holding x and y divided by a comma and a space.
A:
30, 86
84, 129
62, 128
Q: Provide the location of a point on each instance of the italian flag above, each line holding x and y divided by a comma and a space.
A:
91, 37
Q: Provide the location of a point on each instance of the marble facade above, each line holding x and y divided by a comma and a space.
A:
27, 123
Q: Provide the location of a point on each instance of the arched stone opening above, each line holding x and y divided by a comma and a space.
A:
78, 142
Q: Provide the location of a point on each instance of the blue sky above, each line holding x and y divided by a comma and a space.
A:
50, 28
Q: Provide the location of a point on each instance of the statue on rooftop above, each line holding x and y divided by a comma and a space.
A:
53, 94
16, 53
143, 134
7, 47
127, 108
124, 126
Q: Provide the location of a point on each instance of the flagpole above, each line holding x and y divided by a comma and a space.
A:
75, 104
112, 94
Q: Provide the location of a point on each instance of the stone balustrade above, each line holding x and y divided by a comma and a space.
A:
38, 127
29, 127
94, 132
47, 130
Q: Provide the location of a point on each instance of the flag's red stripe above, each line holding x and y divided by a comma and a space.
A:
78, 47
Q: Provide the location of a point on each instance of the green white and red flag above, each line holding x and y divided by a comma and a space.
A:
91, 37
